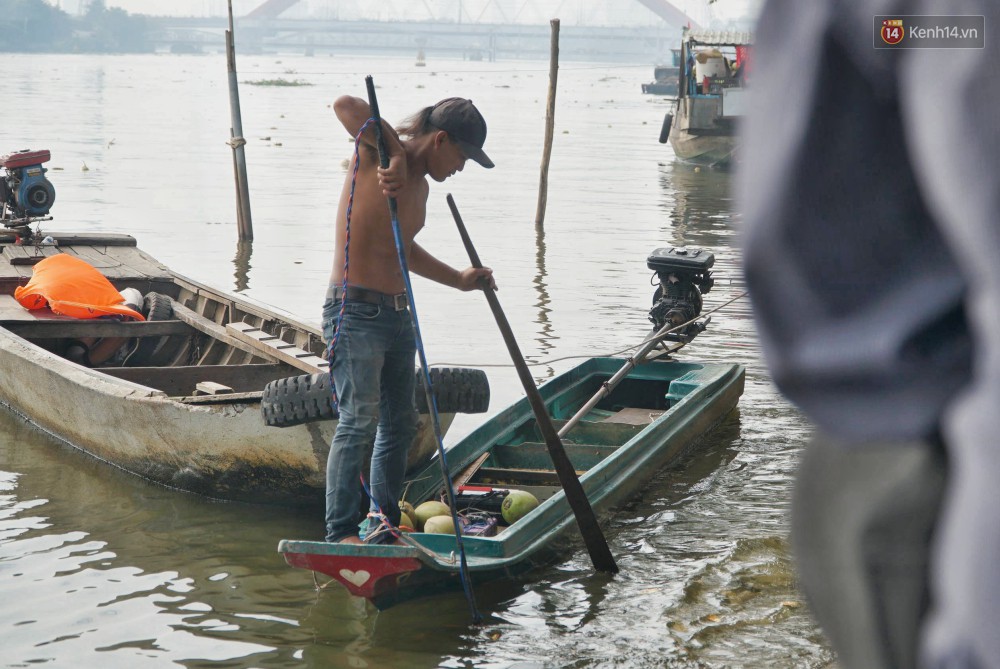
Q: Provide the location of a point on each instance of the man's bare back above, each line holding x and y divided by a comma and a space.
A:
371, 228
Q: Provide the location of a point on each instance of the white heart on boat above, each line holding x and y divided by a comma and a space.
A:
357, 578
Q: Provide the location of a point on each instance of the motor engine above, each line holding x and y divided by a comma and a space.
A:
683, 276
25, 193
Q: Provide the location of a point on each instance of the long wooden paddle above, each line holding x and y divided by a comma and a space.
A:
597, 545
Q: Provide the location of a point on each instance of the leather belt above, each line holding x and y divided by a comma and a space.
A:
396, 302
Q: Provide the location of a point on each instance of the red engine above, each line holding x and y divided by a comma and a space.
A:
24, 159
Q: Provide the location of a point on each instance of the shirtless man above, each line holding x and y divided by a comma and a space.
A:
373, 359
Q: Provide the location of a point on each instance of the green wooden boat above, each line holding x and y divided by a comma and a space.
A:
652, 418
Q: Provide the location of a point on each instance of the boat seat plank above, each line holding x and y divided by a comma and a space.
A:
592, 432
231, 398
211, 388
46, 324
535, 455
93, 238
27, 255
516, 476
273, 345
183, 381
76, 328
470, 471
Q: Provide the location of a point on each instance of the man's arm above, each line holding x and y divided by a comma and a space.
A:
423, 263
352, 112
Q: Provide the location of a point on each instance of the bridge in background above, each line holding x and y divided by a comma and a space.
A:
471, 41
473, 29
666, 10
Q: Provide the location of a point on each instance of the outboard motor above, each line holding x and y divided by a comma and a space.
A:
683, 275
25, 193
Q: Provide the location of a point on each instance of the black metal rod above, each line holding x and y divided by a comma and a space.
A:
597, 545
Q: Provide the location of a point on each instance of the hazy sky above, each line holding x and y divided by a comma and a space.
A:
572, 12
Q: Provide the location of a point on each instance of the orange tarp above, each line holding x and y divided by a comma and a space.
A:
72, 287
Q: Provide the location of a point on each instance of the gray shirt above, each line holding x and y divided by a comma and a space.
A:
871, 201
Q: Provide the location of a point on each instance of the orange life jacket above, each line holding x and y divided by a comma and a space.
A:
72, 287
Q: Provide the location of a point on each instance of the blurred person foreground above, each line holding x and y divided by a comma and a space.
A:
870, 195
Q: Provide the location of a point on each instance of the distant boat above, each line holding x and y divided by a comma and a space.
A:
666, 78
711, 97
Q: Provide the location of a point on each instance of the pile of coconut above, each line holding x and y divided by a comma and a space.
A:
435, 517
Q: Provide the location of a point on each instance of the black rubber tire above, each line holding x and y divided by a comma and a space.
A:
297, 399
456, 390
302, 399
155, 307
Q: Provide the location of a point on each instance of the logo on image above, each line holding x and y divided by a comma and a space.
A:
892, 31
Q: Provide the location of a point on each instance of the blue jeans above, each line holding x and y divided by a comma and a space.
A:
373, 373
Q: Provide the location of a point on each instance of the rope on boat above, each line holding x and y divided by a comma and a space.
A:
330, 349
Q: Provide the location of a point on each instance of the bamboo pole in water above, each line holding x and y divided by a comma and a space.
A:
236, 140
550, 117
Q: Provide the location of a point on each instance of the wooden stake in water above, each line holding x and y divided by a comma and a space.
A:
550, 121
236, 141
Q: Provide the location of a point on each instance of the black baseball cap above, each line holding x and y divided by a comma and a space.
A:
464, 124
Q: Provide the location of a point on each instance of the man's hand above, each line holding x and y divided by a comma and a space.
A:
470, 278
392, 179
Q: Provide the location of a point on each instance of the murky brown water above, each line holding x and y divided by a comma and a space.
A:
100, 569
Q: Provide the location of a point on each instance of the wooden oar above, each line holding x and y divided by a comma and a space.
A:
597, 545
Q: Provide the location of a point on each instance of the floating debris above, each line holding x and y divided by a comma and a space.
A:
85, 168
278, 82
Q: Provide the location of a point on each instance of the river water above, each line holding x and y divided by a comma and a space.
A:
101, 569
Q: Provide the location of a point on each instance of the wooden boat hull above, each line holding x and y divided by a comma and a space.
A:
615, 467
699, 135
150, 421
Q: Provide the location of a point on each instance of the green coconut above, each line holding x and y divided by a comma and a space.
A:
405, 522
429, 510
407, 508
439, 525
516, 505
